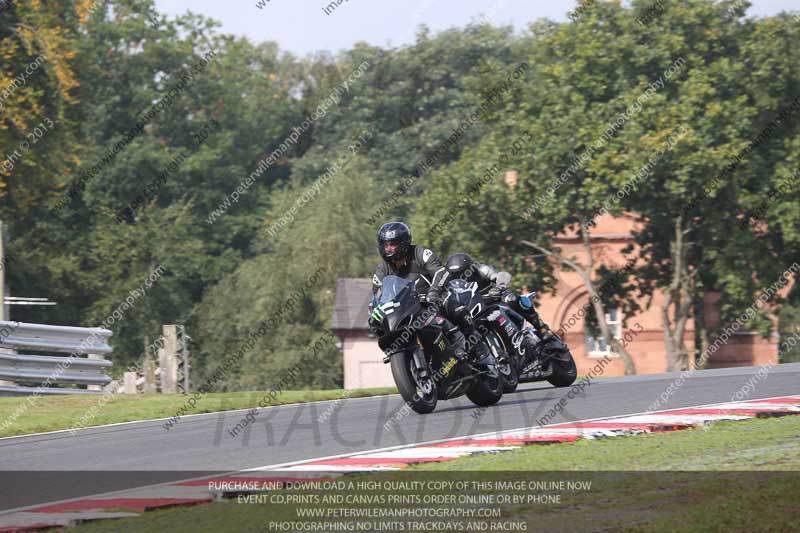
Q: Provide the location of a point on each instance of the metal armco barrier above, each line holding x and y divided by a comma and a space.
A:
44, 373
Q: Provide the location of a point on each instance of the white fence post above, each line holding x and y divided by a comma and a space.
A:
168, 360
130, 383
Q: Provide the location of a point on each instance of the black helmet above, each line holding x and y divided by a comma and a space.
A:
458, 263
396, 236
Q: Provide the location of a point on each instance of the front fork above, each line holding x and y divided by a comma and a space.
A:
420, 362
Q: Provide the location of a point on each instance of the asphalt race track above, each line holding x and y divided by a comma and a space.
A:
141, 453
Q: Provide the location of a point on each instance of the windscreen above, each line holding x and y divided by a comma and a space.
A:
391, 287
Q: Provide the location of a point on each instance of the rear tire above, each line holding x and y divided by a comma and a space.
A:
488, 389
420, 401
564, 370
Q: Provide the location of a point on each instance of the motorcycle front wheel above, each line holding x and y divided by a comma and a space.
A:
488, 388
564, 370
419, 391
506, 363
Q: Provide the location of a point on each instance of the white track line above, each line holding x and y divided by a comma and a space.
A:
278, 467
115, 424
494, 434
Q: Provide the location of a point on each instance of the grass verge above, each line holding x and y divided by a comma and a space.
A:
19, 417
736, 476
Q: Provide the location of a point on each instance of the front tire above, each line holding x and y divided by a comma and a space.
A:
510, 376
488, 388
564, 370
420, 396
506, 363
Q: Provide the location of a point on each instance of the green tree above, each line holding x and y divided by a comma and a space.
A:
323, 242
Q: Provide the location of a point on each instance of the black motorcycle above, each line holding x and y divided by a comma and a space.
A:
528, 357
424, 368
463, 297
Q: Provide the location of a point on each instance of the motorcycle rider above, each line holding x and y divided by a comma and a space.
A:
419, 264
495, 284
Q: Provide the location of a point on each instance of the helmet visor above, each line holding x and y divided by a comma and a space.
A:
391, 247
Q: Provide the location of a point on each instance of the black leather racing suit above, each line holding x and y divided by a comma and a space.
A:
425, 269
421, 266
489, 279
494, 284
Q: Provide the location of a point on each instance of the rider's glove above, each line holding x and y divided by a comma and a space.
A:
435, 299
509, 297
371, 323
502, 279
495, 291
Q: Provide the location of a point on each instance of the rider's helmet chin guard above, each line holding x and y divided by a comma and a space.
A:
394, 241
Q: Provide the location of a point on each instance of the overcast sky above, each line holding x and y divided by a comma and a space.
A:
301, 26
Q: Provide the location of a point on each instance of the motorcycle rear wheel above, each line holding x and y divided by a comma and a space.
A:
420, 395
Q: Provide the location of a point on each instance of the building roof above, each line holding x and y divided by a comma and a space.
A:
353, 295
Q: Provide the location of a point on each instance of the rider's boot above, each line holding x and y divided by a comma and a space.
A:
533, 341
457, 343
476, 345
479, 350
525, 308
